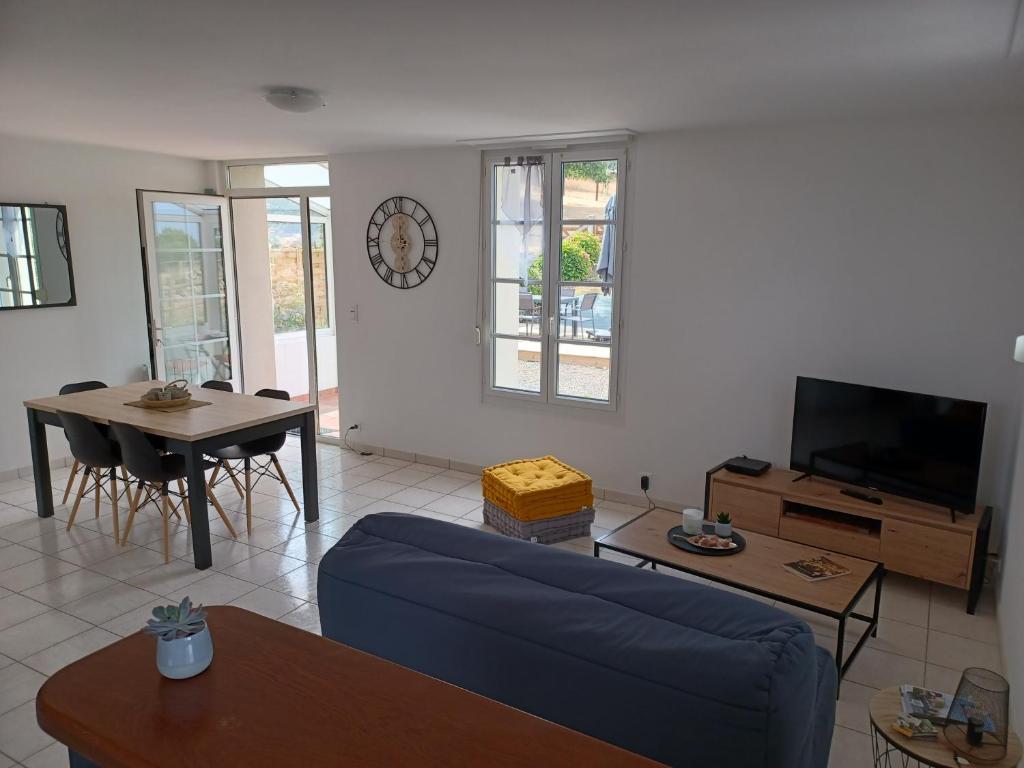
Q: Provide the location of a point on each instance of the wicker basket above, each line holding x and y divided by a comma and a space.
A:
549, 531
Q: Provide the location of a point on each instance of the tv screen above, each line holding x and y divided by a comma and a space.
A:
924, 447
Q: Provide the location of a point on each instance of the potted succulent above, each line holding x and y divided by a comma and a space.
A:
723, 525
184, 647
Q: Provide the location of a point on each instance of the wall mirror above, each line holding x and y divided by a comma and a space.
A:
35, 256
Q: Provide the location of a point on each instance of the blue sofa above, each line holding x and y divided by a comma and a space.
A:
685, 674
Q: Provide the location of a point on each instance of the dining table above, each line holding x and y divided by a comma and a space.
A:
225, 418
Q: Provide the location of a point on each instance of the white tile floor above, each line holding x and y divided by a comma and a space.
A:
66, 594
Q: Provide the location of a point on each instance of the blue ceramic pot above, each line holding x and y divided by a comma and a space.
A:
186, 656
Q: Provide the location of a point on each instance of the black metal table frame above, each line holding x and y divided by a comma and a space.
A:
877, 576
193, 452
886, 753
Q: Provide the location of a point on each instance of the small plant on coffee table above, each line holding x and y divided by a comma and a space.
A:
723, 525
173, 622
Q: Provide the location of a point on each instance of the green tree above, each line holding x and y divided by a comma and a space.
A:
598, 171
580, 252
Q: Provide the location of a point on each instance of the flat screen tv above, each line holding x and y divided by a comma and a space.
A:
919, 446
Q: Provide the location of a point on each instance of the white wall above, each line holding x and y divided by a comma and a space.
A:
1010, 596
888, 253
104, 336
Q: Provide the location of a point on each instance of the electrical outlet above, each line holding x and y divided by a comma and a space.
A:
645, 481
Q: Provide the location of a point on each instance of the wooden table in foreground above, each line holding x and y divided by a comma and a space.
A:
758, 569
278, 696
890, 749
229, 419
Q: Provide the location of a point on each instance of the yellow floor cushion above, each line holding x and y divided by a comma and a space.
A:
537, 489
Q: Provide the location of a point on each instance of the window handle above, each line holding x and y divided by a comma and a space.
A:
551, 325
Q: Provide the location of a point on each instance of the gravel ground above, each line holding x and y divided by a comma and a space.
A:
574, 379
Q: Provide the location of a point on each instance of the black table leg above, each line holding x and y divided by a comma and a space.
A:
878, 603
201, 554
310, 495
40, 464
839, 653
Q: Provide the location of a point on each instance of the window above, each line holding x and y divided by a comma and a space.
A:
269, 175
287, 272
552, 323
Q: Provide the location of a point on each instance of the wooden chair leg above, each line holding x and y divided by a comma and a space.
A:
220, 511
184, 501
78, 498
234, 478
113, 502
248, 496
284, 481
71, 482
213, 475
165, 513
133, 505
99, 482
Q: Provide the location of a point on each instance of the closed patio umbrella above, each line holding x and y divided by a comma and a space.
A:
605, 264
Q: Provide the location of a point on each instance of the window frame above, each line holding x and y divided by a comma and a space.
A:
549, 338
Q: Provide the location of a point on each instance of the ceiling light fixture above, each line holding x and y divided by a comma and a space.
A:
294, 99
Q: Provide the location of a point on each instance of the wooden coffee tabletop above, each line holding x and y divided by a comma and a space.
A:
758, 568
278, 696
885, 706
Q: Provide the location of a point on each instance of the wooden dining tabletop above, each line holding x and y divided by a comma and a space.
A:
229, 419
227, 410
276, 695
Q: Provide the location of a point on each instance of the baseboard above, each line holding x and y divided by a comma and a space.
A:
633, 499
26, 473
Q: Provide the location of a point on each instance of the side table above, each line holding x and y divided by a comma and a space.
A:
894, 750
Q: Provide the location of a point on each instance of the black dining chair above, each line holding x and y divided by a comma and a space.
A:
100, 458
251, 453
224, 386
155, 471
70, 389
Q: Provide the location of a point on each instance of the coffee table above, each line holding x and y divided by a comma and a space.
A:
758, 570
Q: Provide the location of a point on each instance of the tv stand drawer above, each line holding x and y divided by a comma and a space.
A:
831, 532
926, 552
750, 510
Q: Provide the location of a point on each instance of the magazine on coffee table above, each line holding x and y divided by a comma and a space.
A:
816, 568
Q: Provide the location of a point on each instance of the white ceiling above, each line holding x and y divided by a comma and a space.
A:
185, 76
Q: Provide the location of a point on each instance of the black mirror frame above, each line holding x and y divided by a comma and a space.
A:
62, 215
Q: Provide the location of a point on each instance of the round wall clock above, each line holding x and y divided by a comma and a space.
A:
401, 241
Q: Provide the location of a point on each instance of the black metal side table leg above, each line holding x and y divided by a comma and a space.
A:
40, 464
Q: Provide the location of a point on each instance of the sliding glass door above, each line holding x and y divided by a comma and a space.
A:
190, 287
286, 299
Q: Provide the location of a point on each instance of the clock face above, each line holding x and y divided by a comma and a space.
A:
401, 241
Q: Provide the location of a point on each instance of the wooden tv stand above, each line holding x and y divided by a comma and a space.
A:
906, 536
